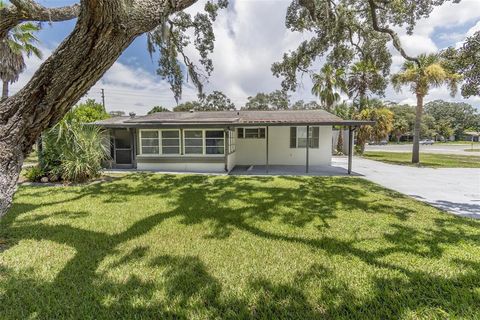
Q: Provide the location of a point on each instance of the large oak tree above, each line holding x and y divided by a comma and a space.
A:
104, 29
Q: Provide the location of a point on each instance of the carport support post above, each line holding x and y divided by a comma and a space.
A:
350, 149
266, 148
307, 149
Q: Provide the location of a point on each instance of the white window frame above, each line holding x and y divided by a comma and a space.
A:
160, 143
141, 144
258, 129
204, 147
311, 137
185, 145
205, 142
179, 142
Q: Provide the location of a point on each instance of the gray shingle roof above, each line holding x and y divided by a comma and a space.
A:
229, 118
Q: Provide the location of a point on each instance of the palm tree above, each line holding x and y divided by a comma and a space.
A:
19, 41
327, 85
364, 76
427, 73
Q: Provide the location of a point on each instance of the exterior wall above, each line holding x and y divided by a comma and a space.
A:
248, 152
253, 151
181, 167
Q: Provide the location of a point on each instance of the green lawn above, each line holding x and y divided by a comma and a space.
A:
202, 247
472, 150
426, 159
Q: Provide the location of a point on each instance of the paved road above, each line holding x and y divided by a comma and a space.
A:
436, 148
454, 190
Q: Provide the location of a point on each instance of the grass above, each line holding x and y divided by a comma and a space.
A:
472, 150
432, 160
202, 247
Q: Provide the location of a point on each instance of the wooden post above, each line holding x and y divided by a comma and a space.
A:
266, 148
307, 150
350, 149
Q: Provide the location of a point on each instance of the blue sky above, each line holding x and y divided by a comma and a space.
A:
245, 48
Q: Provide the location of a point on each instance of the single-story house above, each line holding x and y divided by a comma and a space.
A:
218, 141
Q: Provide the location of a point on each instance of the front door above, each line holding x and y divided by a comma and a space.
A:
123, 147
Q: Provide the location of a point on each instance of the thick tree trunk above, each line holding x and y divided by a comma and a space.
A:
100, 36
416, 130
4, 90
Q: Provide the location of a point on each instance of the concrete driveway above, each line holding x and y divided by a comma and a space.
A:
454, 190
436, 148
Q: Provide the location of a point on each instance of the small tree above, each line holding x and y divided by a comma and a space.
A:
427, 73
383, 126
328, 84
400, 127
444, 129
364, 77
89, 111
20, 40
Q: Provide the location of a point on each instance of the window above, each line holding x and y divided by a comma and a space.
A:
240, 133
149, 142
170, 142
298, 137
251, 133
193, 141
214, 142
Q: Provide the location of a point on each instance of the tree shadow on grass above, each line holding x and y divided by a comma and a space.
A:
187, 289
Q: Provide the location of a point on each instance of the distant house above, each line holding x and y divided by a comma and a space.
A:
219, 141
471, 136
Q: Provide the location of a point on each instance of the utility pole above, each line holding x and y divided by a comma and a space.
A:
103, 99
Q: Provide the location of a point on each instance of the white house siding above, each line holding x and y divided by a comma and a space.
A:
250, 151
182, 167
253, 151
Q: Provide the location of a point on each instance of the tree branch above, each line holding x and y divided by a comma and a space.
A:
28, 10
395, 39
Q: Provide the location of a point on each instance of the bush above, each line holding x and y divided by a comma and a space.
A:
82, 157
34, 174
73, 151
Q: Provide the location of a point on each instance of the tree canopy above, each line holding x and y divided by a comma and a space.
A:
465, 61
156, 109
458, 116
88, 111
347, 31
276, 100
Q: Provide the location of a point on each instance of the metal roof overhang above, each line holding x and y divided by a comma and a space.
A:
346, 123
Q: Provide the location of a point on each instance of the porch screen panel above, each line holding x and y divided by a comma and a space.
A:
215, 142
171, 142
193, 141
149, 141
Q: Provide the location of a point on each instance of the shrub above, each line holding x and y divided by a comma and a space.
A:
74, 151
82, 156
34, 173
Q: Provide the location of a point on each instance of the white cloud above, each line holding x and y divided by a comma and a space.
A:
250, 36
